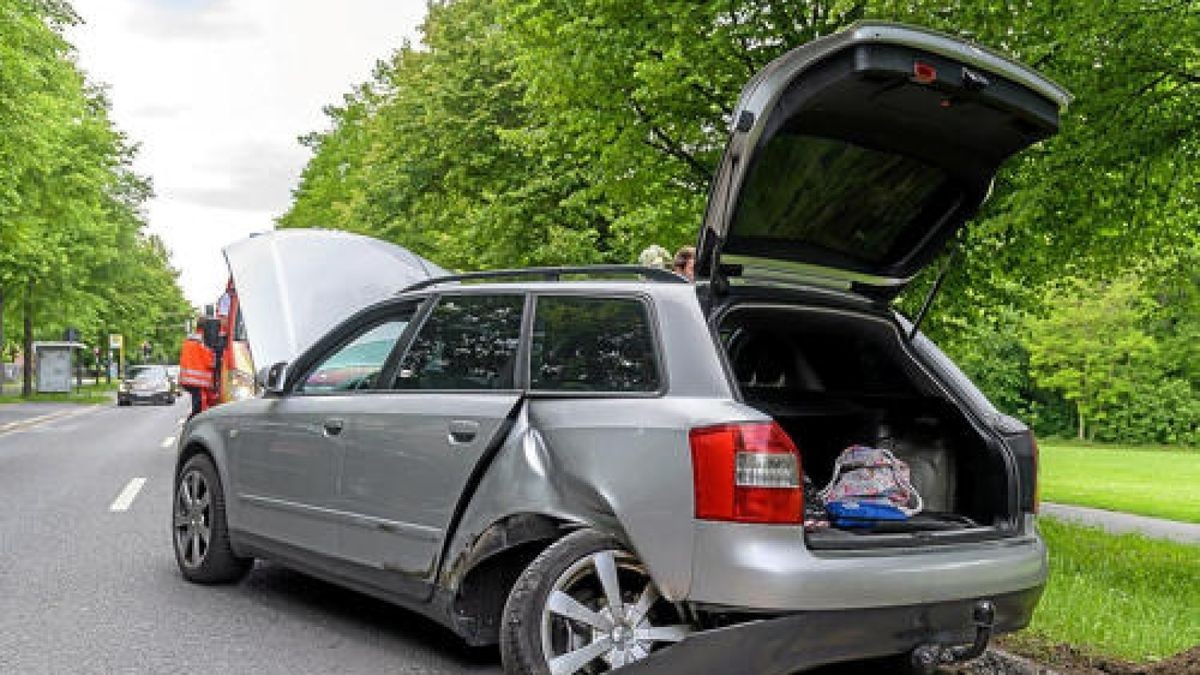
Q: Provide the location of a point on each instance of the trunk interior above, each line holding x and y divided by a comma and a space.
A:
834, 378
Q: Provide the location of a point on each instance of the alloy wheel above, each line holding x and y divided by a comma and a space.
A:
193, 518
604, 612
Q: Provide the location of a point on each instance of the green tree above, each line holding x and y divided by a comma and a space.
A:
1089, 346
73, 251
555, 131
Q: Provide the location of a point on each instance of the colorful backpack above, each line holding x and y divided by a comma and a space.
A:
872, 476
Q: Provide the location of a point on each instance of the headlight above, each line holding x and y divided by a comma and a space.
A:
241, 386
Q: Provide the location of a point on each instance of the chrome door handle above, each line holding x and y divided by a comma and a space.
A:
333, 427
463, 431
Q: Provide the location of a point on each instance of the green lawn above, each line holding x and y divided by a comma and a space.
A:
1124, 596
1147, 481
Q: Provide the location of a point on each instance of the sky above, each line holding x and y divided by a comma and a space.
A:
216, 92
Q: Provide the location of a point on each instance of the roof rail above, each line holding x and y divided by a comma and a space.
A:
553, 274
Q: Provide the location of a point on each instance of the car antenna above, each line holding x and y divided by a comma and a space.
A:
955, 248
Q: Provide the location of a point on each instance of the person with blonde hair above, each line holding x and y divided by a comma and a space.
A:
655, 256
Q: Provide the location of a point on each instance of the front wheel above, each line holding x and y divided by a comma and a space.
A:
199, 530
585, 605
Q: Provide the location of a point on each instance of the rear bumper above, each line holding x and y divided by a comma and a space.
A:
802, 640
768, 569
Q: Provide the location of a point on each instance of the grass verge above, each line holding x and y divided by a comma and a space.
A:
88, 393
1157, 482
1123, 596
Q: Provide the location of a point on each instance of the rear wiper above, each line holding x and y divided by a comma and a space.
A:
937, 286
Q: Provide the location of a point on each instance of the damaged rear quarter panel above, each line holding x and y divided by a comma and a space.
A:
621, 466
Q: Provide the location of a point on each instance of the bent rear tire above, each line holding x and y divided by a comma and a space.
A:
585, 605
199, 531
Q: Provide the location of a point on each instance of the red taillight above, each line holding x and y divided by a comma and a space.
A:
923, 73
747, 473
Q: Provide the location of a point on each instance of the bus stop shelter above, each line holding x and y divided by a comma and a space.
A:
53, 362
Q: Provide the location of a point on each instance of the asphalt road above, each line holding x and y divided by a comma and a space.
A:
85, 589
88, 582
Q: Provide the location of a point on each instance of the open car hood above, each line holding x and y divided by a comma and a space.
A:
295, 285
854, 159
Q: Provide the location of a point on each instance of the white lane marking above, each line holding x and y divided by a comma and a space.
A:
130, 493
168, 441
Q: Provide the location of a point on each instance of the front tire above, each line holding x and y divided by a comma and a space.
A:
199, 531
560, 618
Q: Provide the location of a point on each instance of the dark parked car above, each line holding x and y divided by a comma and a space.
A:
608, 473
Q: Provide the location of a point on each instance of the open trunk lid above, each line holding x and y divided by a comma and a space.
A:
295, 285
855, 158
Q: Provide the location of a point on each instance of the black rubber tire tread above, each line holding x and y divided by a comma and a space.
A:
220, 565
520, 627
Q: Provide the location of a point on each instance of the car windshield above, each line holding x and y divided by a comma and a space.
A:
146, 374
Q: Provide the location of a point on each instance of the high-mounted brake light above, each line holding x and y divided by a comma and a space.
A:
923, 73
747, 473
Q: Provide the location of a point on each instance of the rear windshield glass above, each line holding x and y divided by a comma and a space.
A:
832, 195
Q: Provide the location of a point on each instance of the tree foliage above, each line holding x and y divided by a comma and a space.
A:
73, 246
1109, 348
559, 131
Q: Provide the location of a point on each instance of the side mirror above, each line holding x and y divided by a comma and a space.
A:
211, 329
273, 378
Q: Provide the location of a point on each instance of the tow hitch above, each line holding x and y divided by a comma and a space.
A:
926, 658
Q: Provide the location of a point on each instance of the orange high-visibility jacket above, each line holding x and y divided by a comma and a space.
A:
195, 364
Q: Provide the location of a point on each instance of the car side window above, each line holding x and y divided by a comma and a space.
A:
356, 364
468, 342
592, 344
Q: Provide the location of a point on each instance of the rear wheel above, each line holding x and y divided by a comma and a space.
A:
585, 605
199, 530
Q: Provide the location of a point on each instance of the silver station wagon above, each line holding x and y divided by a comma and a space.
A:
602, 468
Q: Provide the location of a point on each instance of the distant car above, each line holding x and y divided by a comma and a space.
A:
146, 384
608, 473
173, 375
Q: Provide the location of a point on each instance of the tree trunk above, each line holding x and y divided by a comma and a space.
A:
27, 342
1082, 427
102, 357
